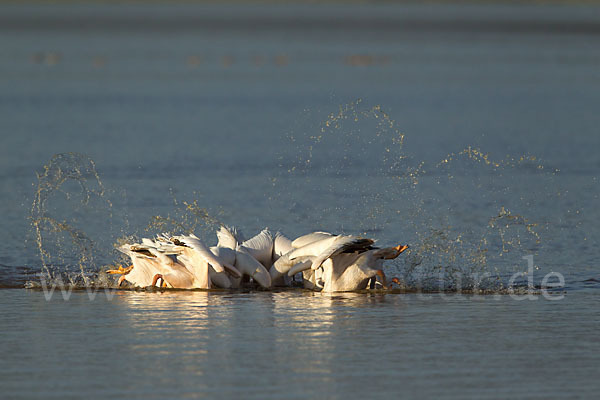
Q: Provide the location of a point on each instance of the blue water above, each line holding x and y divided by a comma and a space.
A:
469, 132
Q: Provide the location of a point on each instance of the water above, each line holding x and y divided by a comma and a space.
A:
475, 143
293, 345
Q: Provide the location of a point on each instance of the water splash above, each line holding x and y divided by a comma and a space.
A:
447, 260
464, 216
69, 196
454, 212
186, 217
356, 154
71, 205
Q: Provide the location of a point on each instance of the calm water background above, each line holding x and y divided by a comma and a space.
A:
253, 114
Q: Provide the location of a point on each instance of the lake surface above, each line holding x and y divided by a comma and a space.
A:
297, 345
468, 132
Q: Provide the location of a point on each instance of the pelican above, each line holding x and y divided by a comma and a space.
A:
344, 272
267, 248
204, 264
335, 262
327, 262
179, 262
313, 249
248, 256
143, 268
185, 262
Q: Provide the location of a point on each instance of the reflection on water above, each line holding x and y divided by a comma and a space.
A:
239, 332
300, 329
296, 344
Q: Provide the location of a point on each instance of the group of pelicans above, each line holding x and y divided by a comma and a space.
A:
326, 262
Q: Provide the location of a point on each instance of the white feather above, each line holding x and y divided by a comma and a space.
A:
228, 237
310, 238
202, 251
260, 247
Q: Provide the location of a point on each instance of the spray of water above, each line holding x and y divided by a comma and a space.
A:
186, 217
70, 201
69, 196
453, 212
354, 165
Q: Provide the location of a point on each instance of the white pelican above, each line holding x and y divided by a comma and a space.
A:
229, 237
267, 249
185, 262
260, 247
204, 264
335, 263
313, 249
344, 272
328, 262
310, 238
180, 262
246, 256
143, 268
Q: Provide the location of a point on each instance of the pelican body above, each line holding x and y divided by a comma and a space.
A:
328, 262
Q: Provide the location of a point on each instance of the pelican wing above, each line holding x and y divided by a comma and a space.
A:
281, 245
203, 251
310, 238
248, 265
260, 247
224, 254
232, 270
219, 279
342, 244
282, 266
228, 237
313, 248
301, 266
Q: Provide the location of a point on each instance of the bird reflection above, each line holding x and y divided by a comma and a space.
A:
307, 331
184, 319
